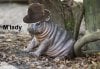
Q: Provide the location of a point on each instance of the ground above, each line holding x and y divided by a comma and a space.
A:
11, 46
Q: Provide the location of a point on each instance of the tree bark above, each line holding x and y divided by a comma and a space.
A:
92, 19
92, 14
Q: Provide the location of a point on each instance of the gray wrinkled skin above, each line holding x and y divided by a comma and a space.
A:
50, 39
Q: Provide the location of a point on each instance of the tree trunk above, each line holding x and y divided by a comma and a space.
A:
92, 14
92, 19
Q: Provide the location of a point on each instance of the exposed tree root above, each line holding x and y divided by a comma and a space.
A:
89, 37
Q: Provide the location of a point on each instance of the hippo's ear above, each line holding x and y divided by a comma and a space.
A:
47, 13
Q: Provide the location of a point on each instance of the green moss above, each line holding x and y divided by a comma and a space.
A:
69, 24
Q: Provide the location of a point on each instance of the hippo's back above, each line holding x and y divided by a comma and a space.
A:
62, 44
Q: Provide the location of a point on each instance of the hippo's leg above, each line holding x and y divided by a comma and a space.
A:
32, 44
42, 48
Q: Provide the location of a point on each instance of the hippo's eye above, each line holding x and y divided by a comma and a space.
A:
37, 24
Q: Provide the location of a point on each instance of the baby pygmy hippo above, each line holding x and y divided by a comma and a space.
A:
48, 37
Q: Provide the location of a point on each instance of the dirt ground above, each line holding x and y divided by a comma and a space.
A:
11, 52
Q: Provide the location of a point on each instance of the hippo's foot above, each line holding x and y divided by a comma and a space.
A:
57, 59
25, 50
34, 54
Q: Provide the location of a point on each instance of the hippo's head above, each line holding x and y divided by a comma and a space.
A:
36, 28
